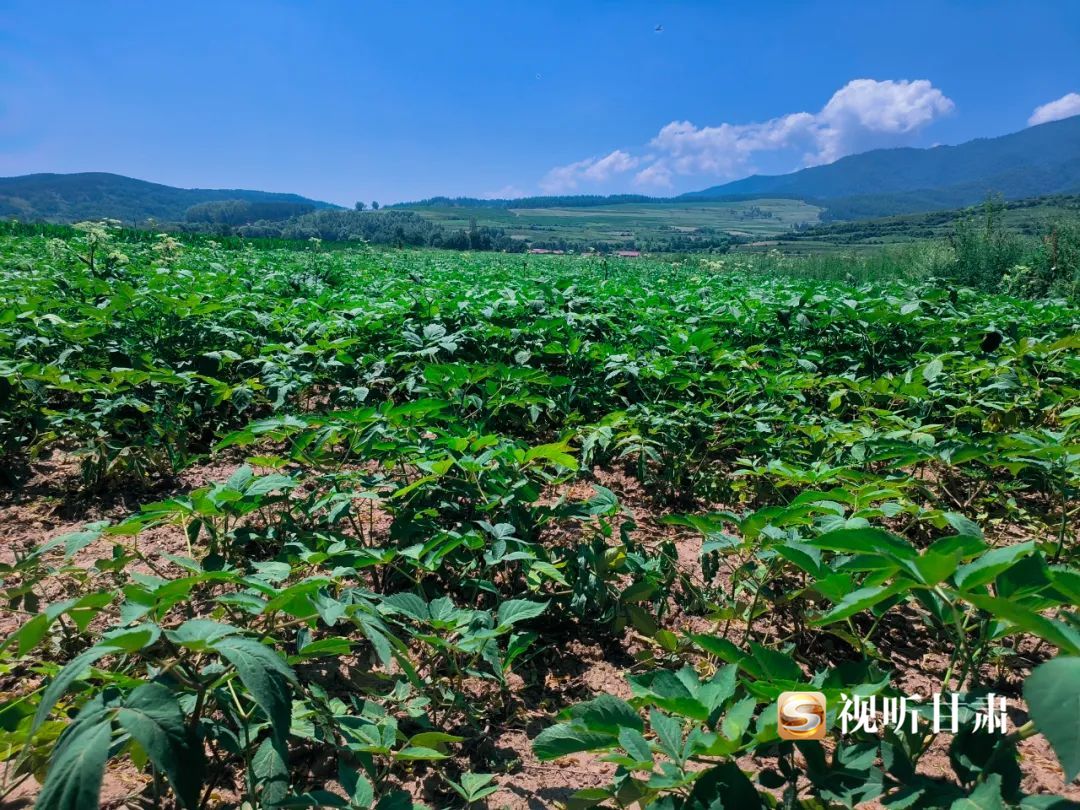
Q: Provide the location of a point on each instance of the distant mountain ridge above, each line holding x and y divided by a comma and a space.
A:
1035, 162
1040, 160
96, 195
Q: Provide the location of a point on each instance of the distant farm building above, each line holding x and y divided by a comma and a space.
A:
628, 254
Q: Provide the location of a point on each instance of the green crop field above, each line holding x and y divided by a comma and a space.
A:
358, 528
634, 221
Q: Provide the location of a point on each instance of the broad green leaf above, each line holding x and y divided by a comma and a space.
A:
932, 370
333, 646
130, 639
773, 664
77, 764
430, 739
668, 731
398, 800
867, 540
476, 786
200, 635
1062, 636
565, 738
638, 592
29, 635
737, 719
72, 542
519, 610
265, 675
858, 601
589, 797
151, 715
1052, 693
314, 798
63, 681
415, 752
964, 526
961, 546
986, 568
987, 796
607, 714
238, 479
271, 771
931, 567
269, 483
720, 647
719, 688
672, 693
636, 745
408, 603
726, 783
357, 785
556, 453
803, 556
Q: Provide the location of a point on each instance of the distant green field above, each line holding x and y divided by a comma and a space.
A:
791, 226
639, 222
1030, 217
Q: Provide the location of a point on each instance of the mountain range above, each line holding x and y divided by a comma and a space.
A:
1040, 160
97, 195
1037, 161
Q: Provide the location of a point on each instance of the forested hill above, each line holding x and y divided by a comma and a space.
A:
96, 195
1040, 160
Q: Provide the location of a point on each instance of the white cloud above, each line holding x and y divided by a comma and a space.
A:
657, 175
1065, 107
599, 170
863, 114
615, 163
865, 107
726, 149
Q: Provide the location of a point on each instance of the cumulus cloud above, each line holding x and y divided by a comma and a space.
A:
865, 108
656, 175
598, 170
1065, 107
863, 114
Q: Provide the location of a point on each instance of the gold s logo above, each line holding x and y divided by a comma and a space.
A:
801, 716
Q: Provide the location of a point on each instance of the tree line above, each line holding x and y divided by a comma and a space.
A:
404, 228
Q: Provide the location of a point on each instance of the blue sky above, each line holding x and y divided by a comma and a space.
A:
401, 100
